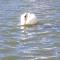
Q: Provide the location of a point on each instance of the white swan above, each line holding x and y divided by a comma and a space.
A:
28, 19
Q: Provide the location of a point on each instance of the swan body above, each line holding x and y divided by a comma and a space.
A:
28, 19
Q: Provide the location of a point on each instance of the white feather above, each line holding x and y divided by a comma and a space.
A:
29, 19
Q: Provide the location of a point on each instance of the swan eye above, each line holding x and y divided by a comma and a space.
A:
25, 15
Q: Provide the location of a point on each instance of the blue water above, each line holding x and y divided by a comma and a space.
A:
39, 42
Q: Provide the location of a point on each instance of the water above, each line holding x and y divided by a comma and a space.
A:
40, 42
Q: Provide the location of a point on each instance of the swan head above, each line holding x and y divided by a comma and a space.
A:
28, 19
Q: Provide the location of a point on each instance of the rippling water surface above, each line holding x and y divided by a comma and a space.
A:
40, 42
